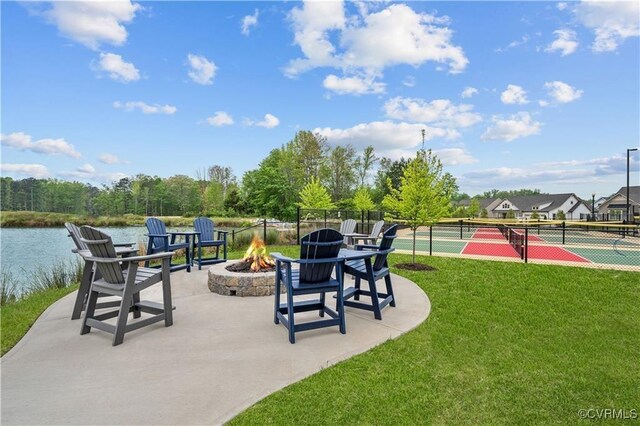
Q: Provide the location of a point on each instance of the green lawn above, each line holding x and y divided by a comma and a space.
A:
505, 343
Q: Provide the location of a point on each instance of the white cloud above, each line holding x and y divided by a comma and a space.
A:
202, 70
439, 112
353, 85
611, 21
116, 68
515, 43
469, 92
22, 141
90, 23
561, 6
219, 119
562, 92
38, 171
513, 127
145, 108
370, 42
88, 173
514, 95
409, 81
454, 156
269, 122
566, 42
249, 21
110, 159
86, 169
386, 137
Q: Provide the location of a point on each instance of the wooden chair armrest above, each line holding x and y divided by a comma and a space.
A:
129, 259
281, 257
366, 246
157, 235
123, 244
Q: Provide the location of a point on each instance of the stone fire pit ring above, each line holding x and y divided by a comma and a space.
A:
241, 284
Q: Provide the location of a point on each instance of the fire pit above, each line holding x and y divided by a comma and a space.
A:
253, 275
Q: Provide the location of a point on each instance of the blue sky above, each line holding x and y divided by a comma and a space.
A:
511, 94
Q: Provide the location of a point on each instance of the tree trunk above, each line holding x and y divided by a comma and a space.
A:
414, 245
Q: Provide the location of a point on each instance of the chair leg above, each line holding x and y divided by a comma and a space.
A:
166, 293
340, 300
83, 291
387, 281
290, 314
136, 301
90, 311
356, 295
322, 302
374, 296
277, 303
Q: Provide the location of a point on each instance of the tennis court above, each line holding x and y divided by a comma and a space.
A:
580, 247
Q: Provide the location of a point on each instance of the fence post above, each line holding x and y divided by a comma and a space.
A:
526, 244
430, 240
298, 226
460, 228
368, 221
233, 237
325, 218
362, 221
264, 233
563, 229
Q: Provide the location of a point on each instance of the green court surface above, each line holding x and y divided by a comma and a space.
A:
608, 256
596, 239
439, 246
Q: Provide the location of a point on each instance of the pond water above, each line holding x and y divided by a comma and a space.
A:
26, 249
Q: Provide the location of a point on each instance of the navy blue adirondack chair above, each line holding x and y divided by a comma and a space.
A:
318, 257
206, 238
162, 241
372, 272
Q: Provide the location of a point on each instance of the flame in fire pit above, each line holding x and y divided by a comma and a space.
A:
257, 255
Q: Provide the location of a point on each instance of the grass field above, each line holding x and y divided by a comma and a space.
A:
504, 343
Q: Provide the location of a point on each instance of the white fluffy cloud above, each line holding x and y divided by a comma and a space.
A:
202, 70
369, 42
562, 92
469, 92
116, 68
353, 85
566, 42
23, 141
145, 108
439, 112
219, 119
110, 159
512, 127
90, 23
38, 171
611, 21
385, 136
269, 122
248, 22
454, 156
514, 95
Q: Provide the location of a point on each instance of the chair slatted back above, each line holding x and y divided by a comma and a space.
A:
74, 233
348, 226
156, 226
205, 227
101, 245
386, 243
377, 229
320, 244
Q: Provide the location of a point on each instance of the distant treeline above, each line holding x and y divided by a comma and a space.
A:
270, 190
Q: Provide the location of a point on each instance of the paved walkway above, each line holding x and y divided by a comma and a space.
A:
222, 355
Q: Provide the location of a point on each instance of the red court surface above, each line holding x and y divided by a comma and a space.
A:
491, 249
554, 253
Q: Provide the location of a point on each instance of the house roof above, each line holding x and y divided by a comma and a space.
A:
484, 202
634, 193
528, 202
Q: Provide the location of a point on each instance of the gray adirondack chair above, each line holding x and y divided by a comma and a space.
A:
373, 235
122, 249
347, 227
206, 238
125, 283
372, 272
318, 258
162, 241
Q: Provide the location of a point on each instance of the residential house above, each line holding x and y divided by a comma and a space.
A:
546, 206
615, 206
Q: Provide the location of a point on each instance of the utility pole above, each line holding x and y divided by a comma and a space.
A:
628, 151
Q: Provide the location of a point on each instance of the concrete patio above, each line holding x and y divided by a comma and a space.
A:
222, 355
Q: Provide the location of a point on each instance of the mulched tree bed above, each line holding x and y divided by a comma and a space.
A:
415, 267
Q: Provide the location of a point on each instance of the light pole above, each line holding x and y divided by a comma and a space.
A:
593, 206
423, 131
628, 151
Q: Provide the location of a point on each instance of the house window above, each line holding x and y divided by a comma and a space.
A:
505, 206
